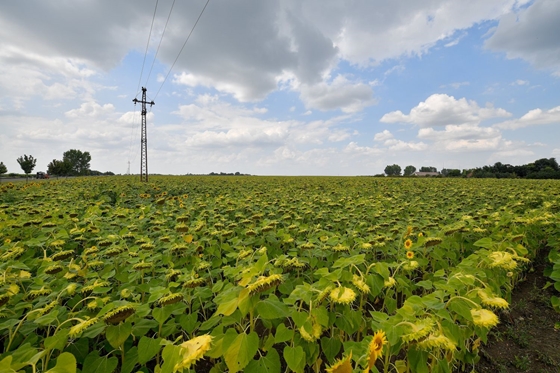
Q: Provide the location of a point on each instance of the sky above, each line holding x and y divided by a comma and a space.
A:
281, 87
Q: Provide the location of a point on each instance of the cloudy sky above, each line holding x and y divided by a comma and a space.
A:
290, 87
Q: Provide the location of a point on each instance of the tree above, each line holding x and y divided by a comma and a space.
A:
394, 170
27, 164
59, 168
409, 170
3, 168
79, 162
428, 169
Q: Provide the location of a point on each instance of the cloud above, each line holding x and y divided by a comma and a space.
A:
531, 34
340, 94
519, 82
441, 110
90, 109
383, 136
535, 117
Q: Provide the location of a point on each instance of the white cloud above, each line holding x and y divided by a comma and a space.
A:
531, 34
463, 137
383, 136
533, 117
441, 110
340, 94
90, 109
520, 82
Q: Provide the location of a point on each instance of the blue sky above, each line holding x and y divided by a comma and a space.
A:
282, 87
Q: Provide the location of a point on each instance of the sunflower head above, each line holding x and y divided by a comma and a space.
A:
341, 366
118, 314
490, 300
408, 244
193, 350
375, 348
409, 254
264, 283
342, 295
484, 318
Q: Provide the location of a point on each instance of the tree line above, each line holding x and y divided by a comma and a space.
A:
544, 168
73, 163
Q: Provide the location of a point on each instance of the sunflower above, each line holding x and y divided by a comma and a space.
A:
359, 282
408, 244
389, 283
492, 301
484, 318
193, 350
375, 348
342, 295
118, 314
264, 283
409, 255
341, 366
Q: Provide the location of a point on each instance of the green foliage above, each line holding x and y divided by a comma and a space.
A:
27, 163
3, 168
393, 170
409, 170
263, 273
59, 168
78, 161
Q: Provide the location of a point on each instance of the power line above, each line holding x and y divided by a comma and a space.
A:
185, 43
147, 45
159, 45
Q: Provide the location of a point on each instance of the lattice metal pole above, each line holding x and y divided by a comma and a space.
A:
144, 137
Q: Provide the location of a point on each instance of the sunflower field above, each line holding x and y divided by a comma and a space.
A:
264, 274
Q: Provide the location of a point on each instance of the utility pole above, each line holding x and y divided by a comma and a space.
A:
128, 169
144, 138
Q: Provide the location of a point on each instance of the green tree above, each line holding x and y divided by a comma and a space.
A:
409, 170
59, 168
393, 170
27, 164
78, 160
3, 168
428, 169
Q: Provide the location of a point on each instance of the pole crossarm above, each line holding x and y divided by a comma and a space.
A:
144, 137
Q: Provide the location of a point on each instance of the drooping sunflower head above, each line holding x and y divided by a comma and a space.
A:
359, 282
170, 299
420, 329
77, 329
118, 314
432, 241
484, 318
375, 348
264, 283
193, 350
342, 295
491, 300
437, 341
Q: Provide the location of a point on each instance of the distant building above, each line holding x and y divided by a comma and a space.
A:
424, 174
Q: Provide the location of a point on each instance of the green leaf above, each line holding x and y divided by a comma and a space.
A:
555, 301
189, 322
345, 262
117, 334
241, 351
66, 363
270, 309
268, 364
130, 360
57, 341
6, 365
96, 364
283, 334
331, 347
295, 358
147, 349
485, 242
